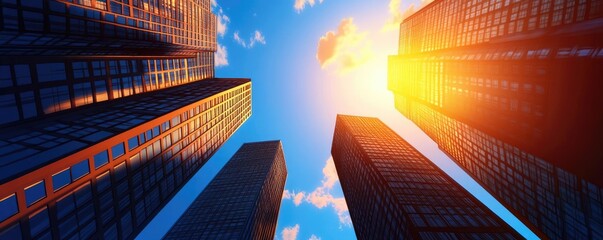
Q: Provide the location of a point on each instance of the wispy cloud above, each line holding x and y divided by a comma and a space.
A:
223, 21
296, 197
314, 237
256, 37
397, 15
322, 197
299, 5
290, 233
221, 56
345, 48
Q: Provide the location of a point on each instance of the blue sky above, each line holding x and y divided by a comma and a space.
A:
300, 83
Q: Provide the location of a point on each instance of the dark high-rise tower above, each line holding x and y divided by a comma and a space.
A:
394, 192
511, 90
242, 201
108, 108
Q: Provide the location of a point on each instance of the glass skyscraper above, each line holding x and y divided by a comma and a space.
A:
242, 201
510, 91
394, 192
108, 108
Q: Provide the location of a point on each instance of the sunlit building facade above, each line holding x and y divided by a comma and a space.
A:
394, 192
242, 201
60, 54
510, 91
108, 108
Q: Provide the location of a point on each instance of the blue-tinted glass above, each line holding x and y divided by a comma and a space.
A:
51, 72
28, 103
8, 108
12, 233
33, 3
9, 207
61, 179
80, 169
101, 159
142, 138
5, 78
101, 90
55, 99
156, 131
117, 150
133, 143
80, 69
35, 193
39, 222
103, 182
82, 93
120, 171
22, 74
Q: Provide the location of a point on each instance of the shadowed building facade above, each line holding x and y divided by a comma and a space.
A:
510, 91
394, 192
242, 201
109, 108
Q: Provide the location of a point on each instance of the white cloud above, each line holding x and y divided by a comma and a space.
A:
346, 48
257, 37
221, 56
296, 197
322, 197
290, 233
223, 21
314, 237
299, 5
397, 15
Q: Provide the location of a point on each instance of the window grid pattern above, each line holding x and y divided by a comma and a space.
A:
450, 23
384, 176
36, 89
242, 201
68, 27
558, 203
499, 69
127, 192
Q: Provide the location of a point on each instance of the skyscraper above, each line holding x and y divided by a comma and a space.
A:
109, 107
510, 91
242, 201
394, 192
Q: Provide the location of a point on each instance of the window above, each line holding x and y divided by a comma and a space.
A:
35, 193
8, 108
48, 72
133, 143
101, 159
82, 93
101, 91
28, 104
61, 179
39, 222
80, 169
9, 207
117, 150
55, 99
80, 70
5, 78
22, 74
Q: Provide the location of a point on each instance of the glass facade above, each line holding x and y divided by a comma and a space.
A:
109, 107
105, 171
242, 201
394, 192
37, 88
509, 90
106, 27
